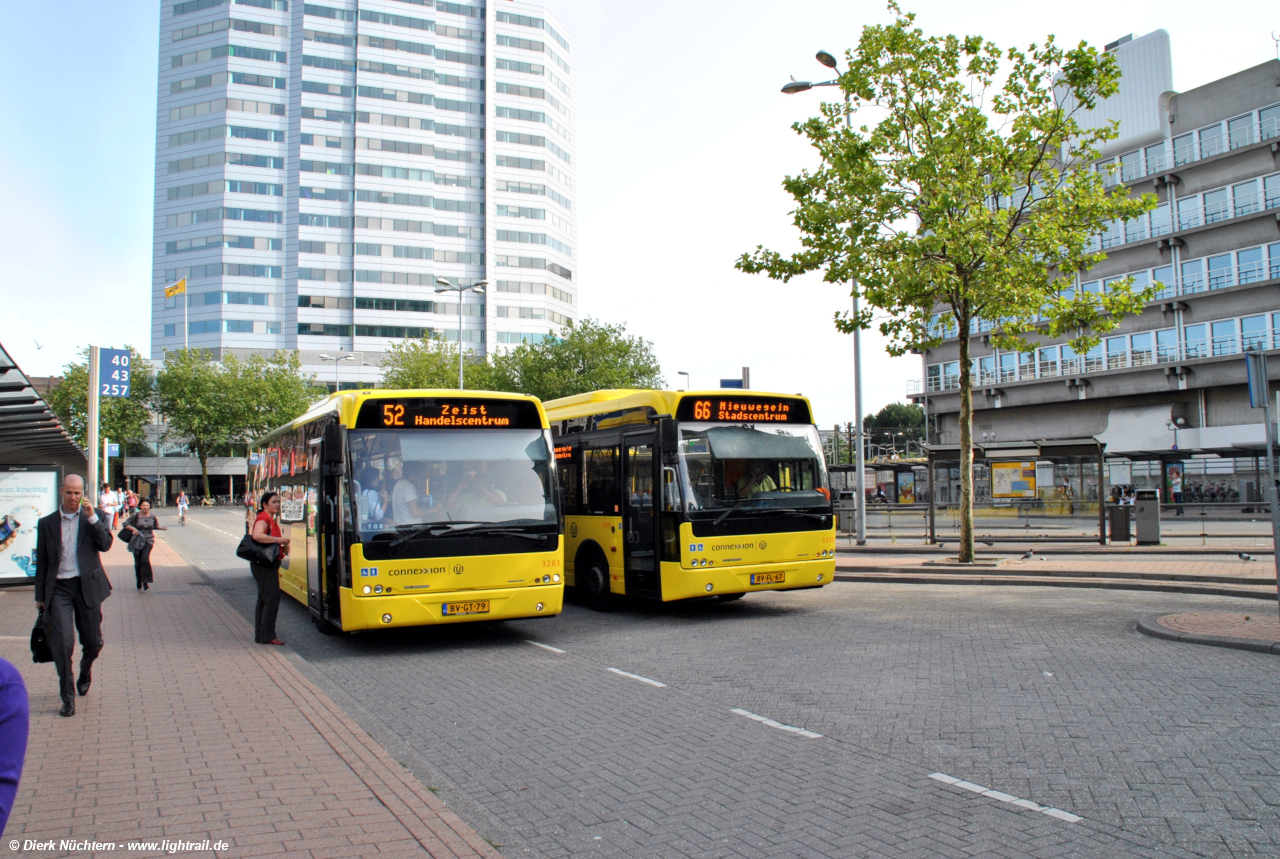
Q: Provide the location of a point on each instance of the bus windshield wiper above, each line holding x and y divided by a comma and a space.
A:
725, 514
507, 531
435, 529
806, 514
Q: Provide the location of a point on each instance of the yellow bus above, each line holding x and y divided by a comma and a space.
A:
412, 507
669, 495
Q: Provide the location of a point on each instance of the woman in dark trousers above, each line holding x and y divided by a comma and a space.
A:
144, 525
267, 532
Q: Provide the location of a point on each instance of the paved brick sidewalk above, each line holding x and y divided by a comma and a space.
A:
192, 732
1260, 626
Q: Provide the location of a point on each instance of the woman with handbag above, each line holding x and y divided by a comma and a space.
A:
143, 525
272, 547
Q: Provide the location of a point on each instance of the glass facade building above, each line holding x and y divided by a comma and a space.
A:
319, 166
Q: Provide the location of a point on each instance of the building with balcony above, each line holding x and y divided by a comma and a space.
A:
1168, 386
319, 166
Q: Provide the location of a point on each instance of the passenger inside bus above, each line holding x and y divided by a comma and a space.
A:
474, 490
369, 502
410, 501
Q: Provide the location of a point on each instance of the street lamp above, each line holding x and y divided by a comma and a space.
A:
687, 386
445, 286
791, 88
335, 359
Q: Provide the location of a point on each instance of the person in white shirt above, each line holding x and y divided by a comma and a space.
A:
107, 501
407, 504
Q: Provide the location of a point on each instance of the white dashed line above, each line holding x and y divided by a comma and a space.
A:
772, 723
622, 673
546, 647
1004, 797
211, 528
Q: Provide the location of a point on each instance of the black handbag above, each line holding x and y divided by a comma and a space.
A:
40, 649
258, 553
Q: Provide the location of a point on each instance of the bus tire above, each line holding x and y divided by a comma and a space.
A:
324, 626
731, 597
593, 585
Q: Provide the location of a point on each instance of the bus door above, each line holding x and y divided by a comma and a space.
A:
640, 494
324, 598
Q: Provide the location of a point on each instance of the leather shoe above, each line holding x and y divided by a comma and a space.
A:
82, 685
68, 708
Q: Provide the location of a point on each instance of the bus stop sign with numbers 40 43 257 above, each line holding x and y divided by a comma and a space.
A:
113, 372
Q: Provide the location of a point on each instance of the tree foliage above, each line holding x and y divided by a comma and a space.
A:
217, 407
585, 357
897, 415
120, 419
433, 363
963, 193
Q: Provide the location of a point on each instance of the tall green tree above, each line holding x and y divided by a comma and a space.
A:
120, 419
588, 356
432, 362
218, 407
897, 415
965, 190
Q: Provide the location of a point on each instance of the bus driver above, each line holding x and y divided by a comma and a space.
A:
755, 481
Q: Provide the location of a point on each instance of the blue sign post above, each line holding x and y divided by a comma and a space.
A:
113, 450
113, 372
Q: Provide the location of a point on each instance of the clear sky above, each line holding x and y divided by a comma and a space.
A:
683, 140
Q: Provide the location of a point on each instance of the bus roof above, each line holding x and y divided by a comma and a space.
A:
347, 404
663, 402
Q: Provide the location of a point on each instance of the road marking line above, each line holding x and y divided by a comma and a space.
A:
773, 723
622, 673
544, 646
1004, 797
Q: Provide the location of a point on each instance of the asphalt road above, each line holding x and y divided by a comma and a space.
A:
1044, 695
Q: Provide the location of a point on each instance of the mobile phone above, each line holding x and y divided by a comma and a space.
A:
7, 527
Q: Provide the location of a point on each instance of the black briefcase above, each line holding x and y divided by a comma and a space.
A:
40, 650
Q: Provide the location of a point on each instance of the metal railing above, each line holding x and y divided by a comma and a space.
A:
1191, 147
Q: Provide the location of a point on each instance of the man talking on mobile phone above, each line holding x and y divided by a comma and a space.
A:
71, 585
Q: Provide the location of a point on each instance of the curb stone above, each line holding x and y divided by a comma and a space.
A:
1149, 624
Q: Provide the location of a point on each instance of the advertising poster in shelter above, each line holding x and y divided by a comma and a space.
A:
1013, 480
906, 487
26, 495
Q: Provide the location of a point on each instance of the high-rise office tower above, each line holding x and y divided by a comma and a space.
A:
321, 166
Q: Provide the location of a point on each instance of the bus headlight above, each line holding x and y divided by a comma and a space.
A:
367, 589
556, 578
819, 576
539, 607
386, 618
546, 579
710, 587
377, 589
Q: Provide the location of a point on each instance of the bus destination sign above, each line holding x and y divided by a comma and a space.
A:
744, 409
450, 412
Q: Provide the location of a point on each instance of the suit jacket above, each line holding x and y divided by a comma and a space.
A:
93, 539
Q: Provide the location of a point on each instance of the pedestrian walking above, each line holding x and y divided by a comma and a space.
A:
107, 501
143, 525
266, 531
72, 585
15, 717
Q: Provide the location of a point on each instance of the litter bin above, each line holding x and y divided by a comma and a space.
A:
846, 510
1146, 513
1120, 523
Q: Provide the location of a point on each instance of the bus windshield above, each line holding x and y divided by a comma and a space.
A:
734, 466
404, 479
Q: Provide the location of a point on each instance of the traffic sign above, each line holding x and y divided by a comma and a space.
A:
113, 450
114, 372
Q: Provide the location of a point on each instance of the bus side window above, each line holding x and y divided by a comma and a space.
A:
602, 480
571, 486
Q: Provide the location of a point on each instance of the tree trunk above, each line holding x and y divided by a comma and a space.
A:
966, 445
204, 474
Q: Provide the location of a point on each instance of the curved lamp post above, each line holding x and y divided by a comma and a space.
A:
443, 285
828, 59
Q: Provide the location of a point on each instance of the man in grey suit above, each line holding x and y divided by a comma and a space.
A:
71, 584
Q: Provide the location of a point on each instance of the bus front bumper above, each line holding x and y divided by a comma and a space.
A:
426, 609
685, 582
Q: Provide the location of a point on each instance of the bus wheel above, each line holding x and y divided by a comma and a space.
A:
324, 626
730, 597
593, 585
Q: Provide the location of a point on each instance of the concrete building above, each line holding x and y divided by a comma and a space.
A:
320, 166
1169, 385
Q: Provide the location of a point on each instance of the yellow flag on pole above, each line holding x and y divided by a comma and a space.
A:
176, 289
